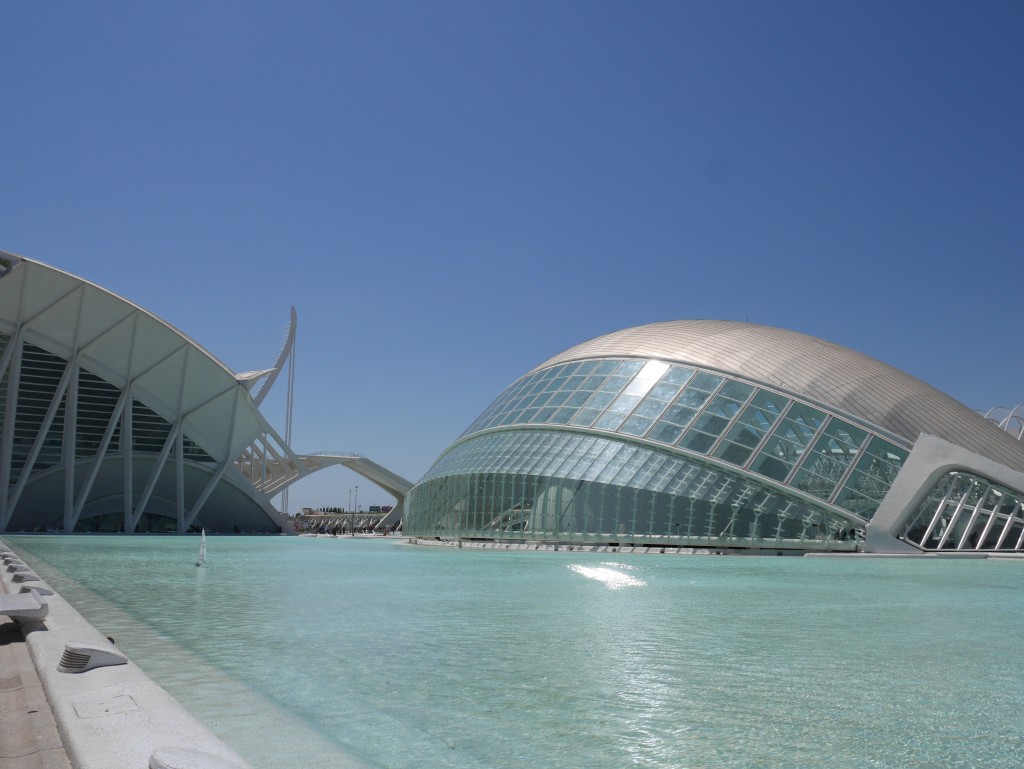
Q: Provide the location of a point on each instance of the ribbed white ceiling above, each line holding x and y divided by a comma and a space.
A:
835, 376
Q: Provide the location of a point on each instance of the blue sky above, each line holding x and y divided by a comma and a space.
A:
452, 192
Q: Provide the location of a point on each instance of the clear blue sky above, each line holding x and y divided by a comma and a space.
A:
451, 192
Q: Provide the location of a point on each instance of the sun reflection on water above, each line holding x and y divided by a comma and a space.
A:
613, 575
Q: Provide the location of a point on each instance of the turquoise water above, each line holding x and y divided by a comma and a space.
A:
307, 652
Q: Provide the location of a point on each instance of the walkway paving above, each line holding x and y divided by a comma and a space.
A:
28, 733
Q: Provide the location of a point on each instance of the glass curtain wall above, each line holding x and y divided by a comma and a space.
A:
683, 413
555, 485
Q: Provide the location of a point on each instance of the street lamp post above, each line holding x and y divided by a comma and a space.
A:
350, 508
357, 508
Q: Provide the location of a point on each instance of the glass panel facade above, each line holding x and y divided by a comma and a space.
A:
875, 472
702, 412
832, 455
965, 511
538, 484
750, 429
788, 442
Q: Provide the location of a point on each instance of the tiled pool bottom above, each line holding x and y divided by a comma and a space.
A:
304, 652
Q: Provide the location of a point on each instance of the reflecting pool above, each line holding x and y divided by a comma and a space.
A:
303, 652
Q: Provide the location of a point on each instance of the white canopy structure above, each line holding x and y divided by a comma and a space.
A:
111, 419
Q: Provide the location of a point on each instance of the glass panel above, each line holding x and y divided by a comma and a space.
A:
629, 367
722, 408
679, 415
616, 463
666, 433
705, 381
533, 387
605, 367
738, 390
772, 464
647, 378
548, 373
734, 453
552, 385
558, 383
693, 398
585, 417
579, 398
610, 421
544, 414
600, 400
562, 416
871, 479
713, 424
540, 400
614, 384
824, 466
750, 428
789, 441
636, 425
558, 398
697, 441
650, 407
678, 375
665, 391
510, 417
624, 404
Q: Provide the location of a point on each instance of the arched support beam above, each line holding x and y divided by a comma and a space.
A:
392, 483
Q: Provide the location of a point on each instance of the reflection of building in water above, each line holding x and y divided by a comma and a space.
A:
729, 436
113, 420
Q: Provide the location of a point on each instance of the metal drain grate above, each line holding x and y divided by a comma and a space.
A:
80, 657
73, 660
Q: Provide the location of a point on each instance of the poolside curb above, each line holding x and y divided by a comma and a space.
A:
112, 717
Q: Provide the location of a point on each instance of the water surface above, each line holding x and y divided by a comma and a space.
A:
305, 652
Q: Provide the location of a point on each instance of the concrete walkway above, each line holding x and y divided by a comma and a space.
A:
28, 732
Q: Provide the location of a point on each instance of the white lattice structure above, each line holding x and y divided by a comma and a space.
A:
112, 419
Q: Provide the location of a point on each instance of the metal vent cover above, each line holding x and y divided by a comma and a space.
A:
80, 657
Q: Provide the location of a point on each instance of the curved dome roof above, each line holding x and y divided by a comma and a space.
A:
833, 375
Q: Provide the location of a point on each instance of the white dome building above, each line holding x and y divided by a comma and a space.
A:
727, 436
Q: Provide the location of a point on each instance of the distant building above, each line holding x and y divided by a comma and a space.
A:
113, 420
731, 437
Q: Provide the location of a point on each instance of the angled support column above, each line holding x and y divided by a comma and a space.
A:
127, 441
161, 461
12, 361
70, 449
37, 445
197, 506
94, 469
70, 439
